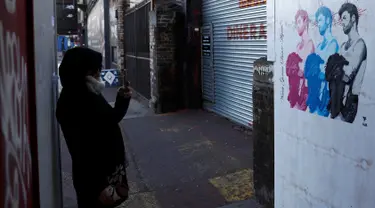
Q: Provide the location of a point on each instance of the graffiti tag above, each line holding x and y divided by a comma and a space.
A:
246, 32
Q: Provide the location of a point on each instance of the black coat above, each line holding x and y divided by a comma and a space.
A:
94, 139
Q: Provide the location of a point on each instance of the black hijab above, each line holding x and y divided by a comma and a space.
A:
76, 64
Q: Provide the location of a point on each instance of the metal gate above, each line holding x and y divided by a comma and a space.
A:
137, 43
239, 38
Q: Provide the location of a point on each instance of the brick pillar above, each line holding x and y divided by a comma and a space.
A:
163, 65
122, 6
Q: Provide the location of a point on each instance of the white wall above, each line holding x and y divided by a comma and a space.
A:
321, 162
45, 66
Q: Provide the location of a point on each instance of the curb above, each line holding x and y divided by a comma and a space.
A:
243, 204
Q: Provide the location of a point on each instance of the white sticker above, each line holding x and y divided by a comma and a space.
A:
53, 21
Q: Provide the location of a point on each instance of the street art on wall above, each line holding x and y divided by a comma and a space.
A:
295, 63
325, 73
95, 28
15, 148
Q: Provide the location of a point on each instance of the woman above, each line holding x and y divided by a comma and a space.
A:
91, 130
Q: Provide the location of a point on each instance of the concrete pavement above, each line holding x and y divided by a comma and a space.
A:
189, 159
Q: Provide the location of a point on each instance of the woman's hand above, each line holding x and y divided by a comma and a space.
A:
125, 91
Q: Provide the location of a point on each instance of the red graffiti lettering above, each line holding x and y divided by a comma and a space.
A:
263, 32
253, 31
246, 31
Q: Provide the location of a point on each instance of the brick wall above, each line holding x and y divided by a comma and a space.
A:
163, 65
122, 5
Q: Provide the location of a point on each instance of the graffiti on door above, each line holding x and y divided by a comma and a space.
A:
15, 154
325, 77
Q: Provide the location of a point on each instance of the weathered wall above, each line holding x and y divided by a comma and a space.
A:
164, 54
322, 157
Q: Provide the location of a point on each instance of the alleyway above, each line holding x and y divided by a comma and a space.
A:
190, 159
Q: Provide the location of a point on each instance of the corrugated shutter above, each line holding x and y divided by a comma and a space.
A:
239, 38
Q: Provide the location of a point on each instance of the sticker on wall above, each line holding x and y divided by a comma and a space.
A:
110, 77
325, 76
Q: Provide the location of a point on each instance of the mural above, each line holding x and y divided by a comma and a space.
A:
295, 63
324, 77
355, 52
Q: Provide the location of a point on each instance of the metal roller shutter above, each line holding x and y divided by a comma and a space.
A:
238, 39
